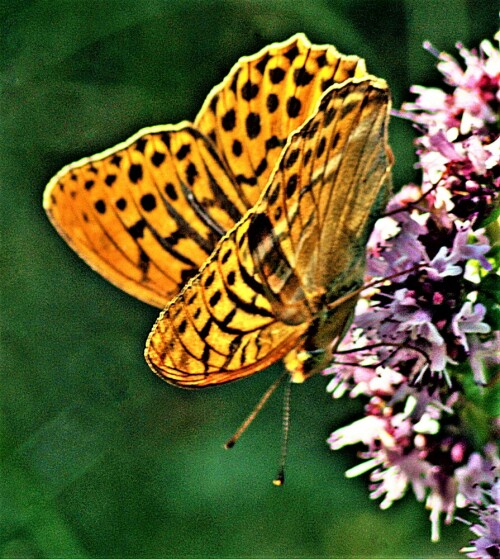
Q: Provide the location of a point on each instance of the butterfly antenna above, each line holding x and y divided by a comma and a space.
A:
280, 477
253, 414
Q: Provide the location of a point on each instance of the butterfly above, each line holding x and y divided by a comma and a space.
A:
248, 226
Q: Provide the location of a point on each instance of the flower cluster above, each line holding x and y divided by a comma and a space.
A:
487, 528
423, 349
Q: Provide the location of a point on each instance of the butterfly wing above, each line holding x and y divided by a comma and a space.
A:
331, 185
147, 213
251, 114
221, 326
267, 281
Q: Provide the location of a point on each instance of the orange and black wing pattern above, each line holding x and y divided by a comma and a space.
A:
245, 224
148, 212
257, 295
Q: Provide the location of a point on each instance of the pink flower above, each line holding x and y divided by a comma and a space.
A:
469, 320
478, 472
483, 355
418, 342
487, 544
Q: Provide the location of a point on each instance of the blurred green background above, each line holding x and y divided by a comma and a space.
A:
99, 457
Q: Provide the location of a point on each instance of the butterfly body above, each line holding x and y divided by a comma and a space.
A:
247, 225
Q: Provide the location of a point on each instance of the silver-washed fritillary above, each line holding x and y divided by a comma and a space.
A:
246, 225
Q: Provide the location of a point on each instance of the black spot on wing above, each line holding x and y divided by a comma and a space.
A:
321, 147
292, 158
110, 179
226, 255
137, 230
135, 172
292, 53
276, 75
325, 84
237, 148
252, 124
321, 60
335, 140
215, 298
171, 192
302, 77
116, 160
293, 106
312, 130
234, 82
191, 173
229, 120
274, 142
165, 138
227, 320
210, 279
148, 202
205, 331
100, 206
242, 179
262, 166
261, 65
140, 145
273, 195
144, 262
272, 102
157, 158
249, 90
329, 115
187, 274
291, 185
213, 103
183, 151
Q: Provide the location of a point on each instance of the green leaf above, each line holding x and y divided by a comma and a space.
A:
478, 408
494, 215
489, 296
492, 401
490, 286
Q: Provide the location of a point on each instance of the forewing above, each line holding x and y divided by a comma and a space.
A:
250, 115
147, 213
300, 247
329, 186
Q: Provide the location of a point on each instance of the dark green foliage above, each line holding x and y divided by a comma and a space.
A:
98, 457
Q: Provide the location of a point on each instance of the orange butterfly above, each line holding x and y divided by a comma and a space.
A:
248, 225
